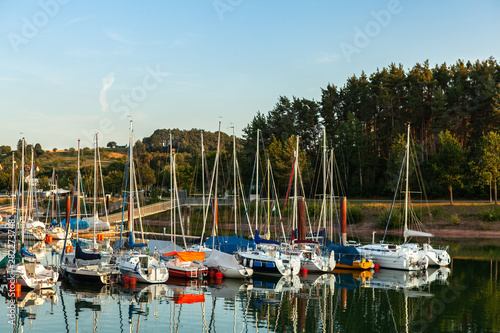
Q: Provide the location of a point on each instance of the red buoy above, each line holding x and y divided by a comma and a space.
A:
303, 272
219, 275
126, 279
376, 267
133, 280
211, 273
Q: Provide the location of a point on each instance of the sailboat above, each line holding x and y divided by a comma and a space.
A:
395, 256
435, 257
311, 255
182, 264
33, 229
55, 231
134, 263
95, 223
28, 272
219, 249
270, 257
87, 266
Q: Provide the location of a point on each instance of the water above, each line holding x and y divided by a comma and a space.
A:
462, 298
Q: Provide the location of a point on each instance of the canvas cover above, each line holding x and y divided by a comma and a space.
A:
187, 255
162, 246
260, 240
344, 255
229, 244
80, 254
413, 233
221, 259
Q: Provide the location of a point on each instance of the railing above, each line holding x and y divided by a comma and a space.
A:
145, 211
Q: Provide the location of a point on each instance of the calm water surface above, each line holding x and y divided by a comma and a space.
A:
462, 298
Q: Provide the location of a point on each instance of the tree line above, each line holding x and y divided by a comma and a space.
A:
454, 112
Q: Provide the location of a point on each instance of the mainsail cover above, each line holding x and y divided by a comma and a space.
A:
413, 233
80, 254
229, 244
259, 240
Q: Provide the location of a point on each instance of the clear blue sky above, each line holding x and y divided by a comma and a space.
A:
70, 68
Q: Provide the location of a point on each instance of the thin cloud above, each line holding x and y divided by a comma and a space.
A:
328, 58
118, 38
78, 19
107, 82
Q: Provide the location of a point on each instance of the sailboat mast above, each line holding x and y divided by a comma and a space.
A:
172, 209
215, 227
331, 194
235, 192
13, 185
268, 196
324, 177
203, 185
257, 185
131, 186
407, 172
77, 191
96, 147
295, 190
22, 194
32, 185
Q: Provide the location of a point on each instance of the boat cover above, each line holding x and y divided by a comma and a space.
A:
260, 240
413, 233
80, 254
187, 255
26, 253
229, 244
221, 259
132, 245
344, 255
73, 224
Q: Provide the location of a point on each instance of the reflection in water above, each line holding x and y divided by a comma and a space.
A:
439, 300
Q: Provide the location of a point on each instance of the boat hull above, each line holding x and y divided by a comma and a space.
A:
362, 264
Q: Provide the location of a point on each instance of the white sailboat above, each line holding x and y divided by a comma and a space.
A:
29, 273
405, 256
55, 231
95, 223
270, 257
435, 257
87, 266
33, 229
311, 256
136, 264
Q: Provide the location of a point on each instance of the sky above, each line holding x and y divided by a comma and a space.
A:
69, 68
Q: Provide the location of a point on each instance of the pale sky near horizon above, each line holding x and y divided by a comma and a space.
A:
70, 68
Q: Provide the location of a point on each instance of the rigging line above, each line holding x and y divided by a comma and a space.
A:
334, 163
394, 197
124, 201
275, 197
305, 203
102, 184
248, 201
242, 191
288, 192
392, 313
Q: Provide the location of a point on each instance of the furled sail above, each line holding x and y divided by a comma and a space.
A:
413, 233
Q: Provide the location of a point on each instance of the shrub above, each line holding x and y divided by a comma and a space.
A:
490, 215
354, 214
454, 219
396, 218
